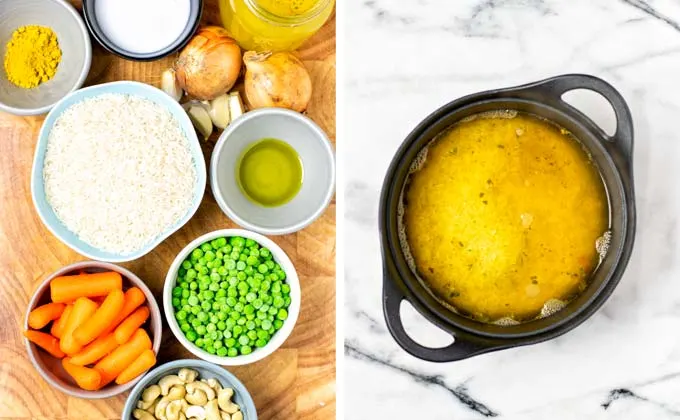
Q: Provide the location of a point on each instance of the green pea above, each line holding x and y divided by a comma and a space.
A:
246, 350
278, 324
199, 342
191, 335
233, 352
197, 253
262, 268
222, 352
221, 325
250, 325
184, 327
206, 247
230, 342
176, 302
181, 315
266, 324
260, 343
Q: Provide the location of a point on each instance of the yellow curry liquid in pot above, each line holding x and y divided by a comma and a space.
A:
505, 215
274, 25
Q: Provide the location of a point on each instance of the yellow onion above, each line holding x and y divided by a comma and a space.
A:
276, 80
210, 63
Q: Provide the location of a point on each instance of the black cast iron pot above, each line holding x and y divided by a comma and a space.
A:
612, 154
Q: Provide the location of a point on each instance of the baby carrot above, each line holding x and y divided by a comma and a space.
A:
128, 327
42, 315
67, 288
95, 351
141, 364
58, 326
112, 365
45, 341
83, 309
133, 298
87, 378
93, 327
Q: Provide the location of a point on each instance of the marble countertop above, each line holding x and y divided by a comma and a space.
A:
403, 60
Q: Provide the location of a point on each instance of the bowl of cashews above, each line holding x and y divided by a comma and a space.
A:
189, 390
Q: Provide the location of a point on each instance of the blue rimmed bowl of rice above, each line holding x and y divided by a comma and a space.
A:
117, 169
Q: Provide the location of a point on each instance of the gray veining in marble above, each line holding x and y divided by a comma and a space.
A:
406, 58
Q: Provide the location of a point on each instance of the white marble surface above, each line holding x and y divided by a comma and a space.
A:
406, 58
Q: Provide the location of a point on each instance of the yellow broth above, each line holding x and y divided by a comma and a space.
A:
503, 216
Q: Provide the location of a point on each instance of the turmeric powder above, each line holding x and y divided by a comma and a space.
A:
32, 56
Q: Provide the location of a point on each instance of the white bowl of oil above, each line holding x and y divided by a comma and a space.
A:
273, 171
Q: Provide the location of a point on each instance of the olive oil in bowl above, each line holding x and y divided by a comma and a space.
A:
269, 172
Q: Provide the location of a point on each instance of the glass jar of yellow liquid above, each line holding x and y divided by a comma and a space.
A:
274, 25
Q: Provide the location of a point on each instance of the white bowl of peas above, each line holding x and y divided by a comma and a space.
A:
232, 297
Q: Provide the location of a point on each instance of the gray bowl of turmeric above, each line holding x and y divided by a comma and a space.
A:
189, 388
46, 54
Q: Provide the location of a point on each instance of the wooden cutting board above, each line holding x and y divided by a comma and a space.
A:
295, 382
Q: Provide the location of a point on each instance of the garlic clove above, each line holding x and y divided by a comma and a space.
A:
219, 111
235, 105
198, 114
170, 85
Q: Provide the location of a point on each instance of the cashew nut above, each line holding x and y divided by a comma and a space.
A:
209, 392
151, 393
195, 412
237, 416
224, 400
187, 375
145, 405
225, 416
177, 392
152, 409
212, 411
142, 415
182, 416
197, 397
173, 410
162, 405
167, 382
214, 384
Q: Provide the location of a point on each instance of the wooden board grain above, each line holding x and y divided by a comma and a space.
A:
296, 382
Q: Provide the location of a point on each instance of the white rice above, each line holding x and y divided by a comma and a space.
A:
118, 171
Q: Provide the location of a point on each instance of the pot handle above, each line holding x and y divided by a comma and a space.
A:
460, 349
552, 90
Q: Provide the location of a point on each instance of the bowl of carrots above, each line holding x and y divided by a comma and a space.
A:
92, 329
